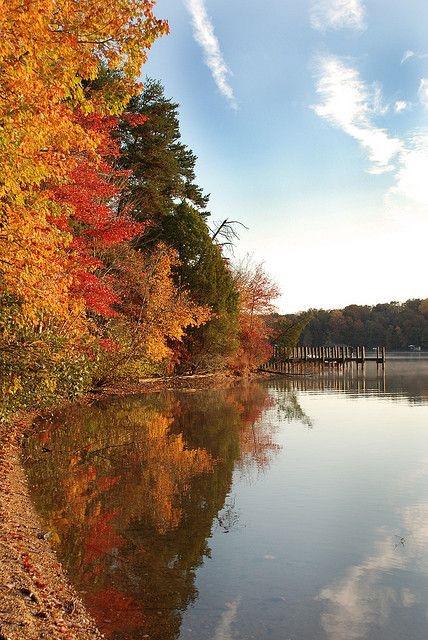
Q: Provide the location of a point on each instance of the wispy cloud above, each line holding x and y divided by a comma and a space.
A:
409, 55
337, 14
378, 105
423, 92
411, 175
224, 628
349, 104
366, 595
203, 30
401, 105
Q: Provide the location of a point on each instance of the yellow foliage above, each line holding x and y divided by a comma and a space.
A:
155, 313
48, 49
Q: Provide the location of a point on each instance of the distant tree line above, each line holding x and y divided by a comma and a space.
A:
393, 325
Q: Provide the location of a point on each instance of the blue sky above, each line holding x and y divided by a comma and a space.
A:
309, 120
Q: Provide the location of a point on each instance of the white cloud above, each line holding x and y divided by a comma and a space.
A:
224, 629
203, 30
366, 595
407, 55
337, 14
401, 105
411, 176
348, 103
379, 107
423, 92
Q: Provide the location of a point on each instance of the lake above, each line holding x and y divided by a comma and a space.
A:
282, 509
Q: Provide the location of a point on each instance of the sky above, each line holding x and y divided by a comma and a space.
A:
310, 122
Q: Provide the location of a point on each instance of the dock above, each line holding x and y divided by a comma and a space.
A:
284, 359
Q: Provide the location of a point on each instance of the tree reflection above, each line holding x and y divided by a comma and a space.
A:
289, 409
131, 490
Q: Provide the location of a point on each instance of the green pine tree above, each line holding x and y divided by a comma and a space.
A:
161, 190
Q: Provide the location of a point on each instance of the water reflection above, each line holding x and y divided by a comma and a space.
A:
402, 378
369, 594
131, 489
294, 508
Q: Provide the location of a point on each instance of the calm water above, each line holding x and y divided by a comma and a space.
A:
286, 510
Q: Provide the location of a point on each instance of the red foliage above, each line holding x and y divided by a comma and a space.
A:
116, 612
109, 345
134, 119
98, 296
102, 538
96, 224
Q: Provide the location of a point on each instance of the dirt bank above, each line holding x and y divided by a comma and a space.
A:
36, 600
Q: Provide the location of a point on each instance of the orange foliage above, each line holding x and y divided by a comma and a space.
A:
116, 611
102, 537
48, 50
257, 293
154, 313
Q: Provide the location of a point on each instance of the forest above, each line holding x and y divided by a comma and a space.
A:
110, 265
394, 325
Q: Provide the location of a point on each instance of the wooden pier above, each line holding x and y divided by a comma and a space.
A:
283, 360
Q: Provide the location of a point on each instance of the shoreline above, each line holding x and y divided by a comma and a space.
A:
37, 601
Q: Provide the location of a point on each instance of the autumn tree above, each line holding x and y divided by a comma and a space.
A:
207, 275
257, 293
49, 51
161, 189
152, 314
